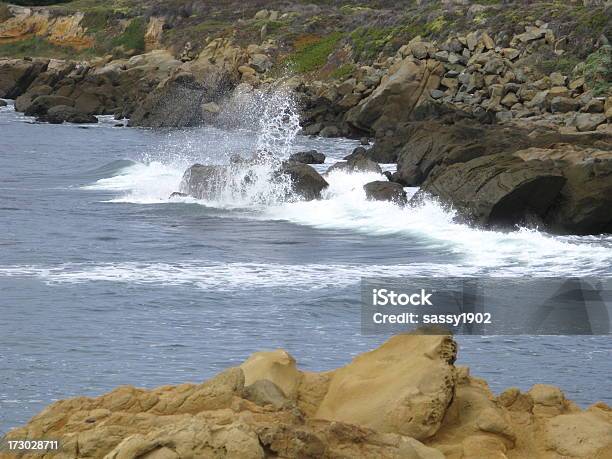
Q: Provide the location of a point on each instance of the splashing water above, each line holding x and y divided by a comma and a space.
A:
255, 179
279, 124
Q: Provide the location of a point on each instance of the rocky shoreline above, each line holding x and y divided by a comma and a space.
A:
466, 120
406, 399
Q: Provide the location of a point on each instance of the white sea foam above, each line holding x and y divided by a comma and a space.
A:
221, 276
344, 206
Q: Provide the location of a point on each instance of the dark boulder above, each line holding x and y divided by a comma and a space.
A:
497, 190
177, 194
59, 114
308, 157
305, 180
385, 191
204, 181
358, 164
3, 103
41, 104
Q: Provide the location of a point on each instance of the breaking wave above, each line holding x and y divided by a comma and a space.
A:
344, 206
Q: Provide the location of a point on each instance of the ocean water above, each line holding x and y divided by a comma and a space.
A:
105, 281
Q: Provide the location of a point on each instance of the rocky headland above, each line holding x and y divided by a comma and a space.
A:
406, 399
500, 110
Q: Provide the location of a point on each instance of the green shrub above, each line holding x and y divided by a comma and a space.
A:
314, 55
37, 2
369, 41
133, 36
35, 46
96, 19
343, 71
597, 70
5, 13
563, 64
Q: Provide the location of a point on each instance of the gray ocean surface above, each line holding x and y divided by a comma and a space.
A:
104, 281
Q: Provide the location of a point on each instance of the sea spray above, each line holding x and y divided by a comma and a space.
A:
254, 178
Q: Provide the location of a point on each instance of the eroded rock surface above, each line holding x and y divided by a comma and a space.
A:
404, 400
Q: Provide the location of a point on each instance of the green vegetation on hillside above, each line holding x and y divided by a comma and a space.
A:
312, 54
132, 37
38, 47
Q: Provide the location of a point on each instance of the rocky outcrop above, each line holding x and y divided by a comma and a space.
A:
497, 189
405, 400
16, 75
583, 205
563, 187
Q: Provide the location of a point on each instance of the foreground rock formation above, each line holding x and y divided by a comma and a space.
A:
405, 400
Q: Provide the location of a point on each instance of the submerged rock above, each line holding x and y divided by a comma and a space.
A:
405, 400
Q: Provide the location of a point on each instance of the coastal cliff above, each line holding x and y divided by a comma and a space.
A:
406, 399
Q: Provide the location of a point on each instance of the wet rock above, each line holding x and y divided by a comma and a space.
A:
308, 157
59, 114
42, 104
178, 194
3, 103
359, 152
356, 164
330, 131
586, 199
497, 190
306, 181
203, 181
385, 191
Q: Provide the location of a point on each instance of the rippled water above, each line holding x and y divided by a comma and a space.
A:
105, 281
